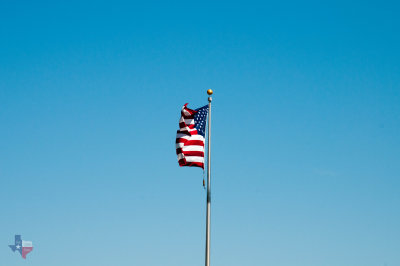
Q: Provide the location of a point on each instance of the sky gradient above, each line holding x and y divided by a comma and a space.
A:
306, 126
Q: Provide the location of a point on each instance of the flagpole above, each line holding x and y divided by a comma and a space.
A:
208, 218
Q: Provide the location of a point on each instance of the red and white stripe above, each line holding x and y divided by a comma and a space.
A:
26, 248
189, 144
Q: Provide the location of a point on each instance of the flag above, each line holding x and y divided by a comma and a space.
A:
22, 246
190, 136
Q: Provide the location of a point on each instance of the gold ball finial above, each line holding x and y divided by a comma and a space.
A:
209, 91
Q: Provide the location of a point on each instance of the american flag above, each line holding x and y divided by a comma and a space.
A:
190, 136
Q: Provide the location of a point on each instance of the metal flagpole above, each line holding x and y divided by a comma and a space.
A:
208, 218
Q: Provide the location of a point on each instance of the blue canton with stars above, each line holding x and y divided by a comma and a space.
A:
18, 244
200, 120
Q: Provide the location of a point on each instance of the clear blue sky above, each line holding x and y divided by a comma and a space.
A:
306, 126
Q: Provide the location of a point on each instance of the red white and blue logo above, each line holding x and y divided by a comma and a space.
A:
22, 246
